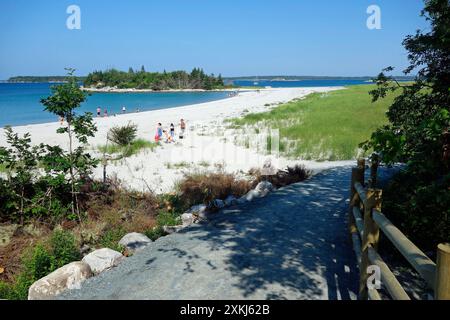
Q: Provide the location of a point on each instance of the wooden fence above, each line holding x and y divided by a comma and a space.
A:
365, 223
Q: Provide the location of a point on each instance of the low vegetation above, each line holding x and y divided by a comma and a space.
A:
322, 126
133, 148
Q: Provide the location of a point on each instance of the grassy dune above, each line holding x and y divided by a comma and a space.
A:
326, 126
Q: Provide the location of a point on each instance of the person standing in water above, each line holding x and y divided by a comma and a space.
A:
99, 112
124, 109
183, 128
105, 114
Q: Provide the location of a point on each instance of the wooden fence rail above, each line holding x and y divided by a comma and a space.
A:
366, 221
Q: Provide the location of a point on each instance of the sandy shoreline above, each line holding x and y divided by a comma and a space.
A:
132, 90
207, 144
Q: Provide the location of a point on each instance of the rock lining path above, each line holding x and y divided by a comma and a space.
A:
293, 244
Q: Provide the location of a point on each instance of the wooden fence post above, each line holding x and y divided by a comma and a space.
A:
357, 176
371, 236
442, 287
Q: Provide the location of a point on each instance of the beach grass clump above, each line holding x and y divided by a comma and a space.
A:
129, 150
123, 135
326, 127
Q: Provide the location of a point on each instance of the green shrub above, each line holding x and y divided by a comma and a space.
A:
155, 233
110, 238
64, 246
165, 218
123, 135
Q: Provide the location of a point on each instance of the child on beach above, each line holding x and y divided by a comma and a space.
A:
168, 137
99, 111
105, 114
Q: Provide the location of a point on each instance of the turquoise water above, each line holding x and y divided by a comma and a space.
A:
19, 102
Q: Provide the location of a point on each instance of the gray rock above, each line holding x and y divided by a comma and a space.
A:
134, 241
251, 195
172, 229
198, 209
230, 201
218, 204
264, 187
187, 219
103, 259
68, 277
84, 250
6, 233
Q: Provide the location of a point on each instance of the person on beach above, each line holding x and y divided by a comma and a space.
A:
183, 128
172, 131
159, 132
168, 137
105, 113
99, 112
124, 109
61, 120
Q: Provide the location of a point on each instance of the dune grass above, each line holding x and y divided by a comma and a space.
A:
323, 126
127, 151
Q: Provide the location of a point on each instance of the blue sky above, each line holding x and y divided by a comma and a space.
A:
233, 37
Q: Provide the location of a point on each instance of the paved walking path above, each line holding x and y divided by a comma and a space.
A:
293, 244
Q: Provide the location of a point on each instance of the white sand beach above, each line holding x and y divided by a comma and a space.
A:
207, 144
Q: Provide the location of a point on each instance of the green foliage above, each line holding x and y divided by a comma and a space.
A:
65, 249
418, 132
75, 165
168, 218
123, 135
40, 261
155, 233
110, 238
197, 79
420, 207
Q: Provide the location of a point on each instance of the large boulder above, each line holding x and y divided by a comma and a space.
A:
68, 277
134, 241
103, 259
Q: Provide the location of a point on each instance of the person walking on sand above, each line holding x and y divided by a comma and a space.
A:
172, 131
183, 128
159, 132
99, 112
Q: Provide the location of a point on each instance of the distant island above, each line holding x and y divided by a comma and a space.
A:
176, 80
40, 79
300, 78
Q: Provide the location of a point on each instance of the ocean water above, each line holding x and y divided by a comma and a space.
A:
20, 102
300, 83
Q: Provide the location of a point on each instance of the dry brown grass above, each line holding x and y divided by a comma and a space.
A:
203, 188
282, 178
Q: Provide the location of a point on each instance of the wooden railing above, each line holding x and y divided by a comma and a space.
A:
365, 223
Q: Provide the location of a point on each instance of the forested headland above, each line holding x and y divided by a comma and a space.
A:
142, 79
